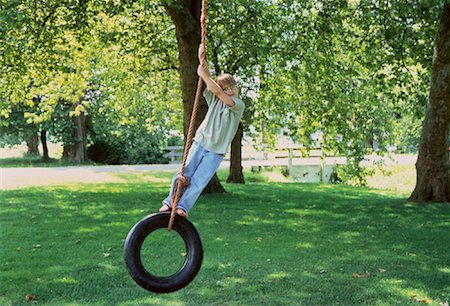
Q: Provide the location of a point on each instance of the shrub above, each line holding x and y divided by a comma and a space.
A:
135, 146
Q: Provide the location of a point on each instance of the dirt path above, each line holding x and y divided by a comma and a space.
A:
14, 178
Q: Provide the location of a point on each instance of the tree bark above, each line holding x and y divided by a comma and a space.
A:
185, 15
45, 156
236, 175
80, 153
75, 148
32, 145
214, 186
433, 179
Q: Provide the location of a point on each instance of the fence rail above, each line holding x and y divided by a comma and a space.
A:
250, 153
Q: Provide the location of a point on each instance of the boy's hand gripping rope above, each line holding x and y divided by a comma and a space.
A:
182, 181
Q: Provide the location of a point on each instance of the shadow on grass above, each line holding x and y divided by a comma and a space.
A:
334, 244
265, 243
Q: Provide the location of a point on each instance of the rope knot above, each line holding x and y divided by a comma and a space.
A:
183, 180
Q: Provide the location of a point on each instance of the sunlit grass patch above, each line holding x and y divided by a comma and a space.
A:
399, 178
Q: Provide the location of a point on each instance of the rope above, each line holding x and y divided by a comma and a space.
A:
182, 181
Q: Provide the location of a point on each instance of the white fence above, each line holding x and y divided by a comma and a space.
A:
302, 168
315, 167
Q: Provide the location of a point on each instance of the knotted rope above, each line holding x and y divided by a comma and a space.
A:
182, 181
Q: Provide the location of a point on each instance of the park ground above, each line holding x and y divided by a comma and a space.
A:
271, 241
18, 172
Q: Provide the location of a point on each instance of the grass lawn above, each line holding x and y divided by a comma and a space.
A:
265, 243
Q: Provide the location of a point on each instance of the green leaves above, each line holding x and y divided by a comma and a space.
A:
355, 71
350, 70
113, 61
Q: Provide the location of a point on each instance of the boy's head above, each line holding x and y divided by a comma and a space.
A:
228, 84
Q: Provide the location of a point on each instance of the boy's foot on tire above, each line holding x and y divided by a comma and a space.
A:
179, 211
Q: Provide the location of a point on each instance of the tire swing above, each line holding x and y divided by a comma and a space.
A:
193, 256
190, 266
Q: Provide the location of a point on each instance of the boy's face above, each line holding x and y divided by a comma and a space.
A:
229, 89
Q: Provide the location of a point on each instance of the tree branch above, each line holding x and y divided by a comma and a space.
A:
44, 22
181, 15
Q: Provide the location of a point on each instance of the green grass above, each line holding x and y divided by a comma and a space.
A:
265, 243
399, 178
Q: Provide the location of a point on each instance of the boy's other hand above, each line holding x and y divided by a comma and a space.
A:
203, 70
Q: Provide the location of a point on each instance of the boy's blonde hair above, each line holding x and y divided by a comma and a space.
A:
225, 80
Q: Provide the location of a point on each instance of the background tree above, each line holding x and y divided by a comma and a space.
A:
186, 17
353, 74
135, 93
433, 179
36, 43
241, 37
87, 66
337, 73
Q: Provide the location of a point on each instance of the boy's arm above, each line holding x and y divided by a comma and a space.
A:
212, 86
205, 74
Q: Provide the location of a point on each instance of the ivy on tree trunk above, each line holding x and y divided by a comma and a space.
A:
433, 179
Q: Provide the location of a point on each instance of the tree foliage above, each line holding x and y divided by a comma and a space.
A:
91, 62
353, 75
336, 69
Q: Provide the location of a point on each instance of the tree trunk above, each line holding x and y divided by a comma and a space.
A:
45, 156
214, 186
32, 145
75, 148
186, 17
80, 153
236, 175
67, 151
433, 179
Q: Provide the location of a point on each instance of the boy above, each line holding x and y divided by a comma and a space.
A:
212, 138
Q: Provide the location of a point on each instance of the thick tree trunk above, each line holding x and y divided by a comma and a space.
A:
433, 179
236, 175
32, 145
45, 156
185, 15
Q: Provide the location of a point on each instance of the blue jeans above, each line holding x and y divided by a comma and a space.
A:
201, 165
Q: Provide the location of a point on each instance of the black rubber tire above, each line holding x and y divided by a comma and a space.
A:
184, 275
